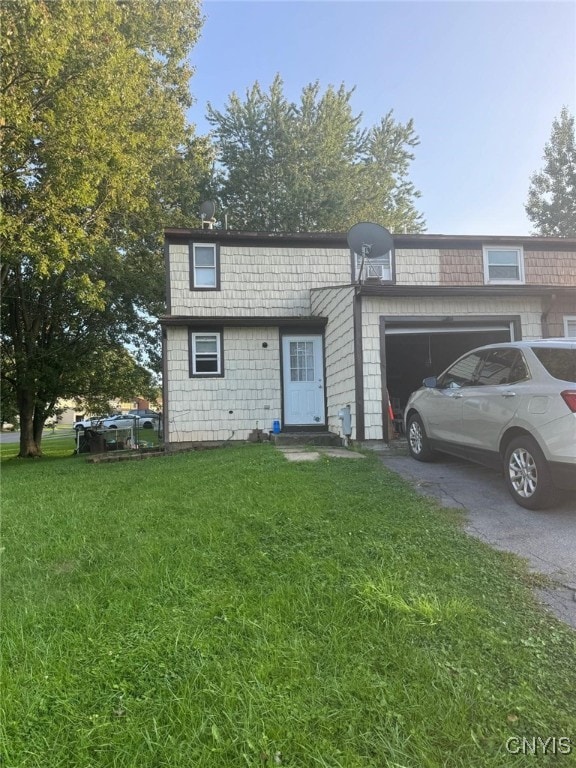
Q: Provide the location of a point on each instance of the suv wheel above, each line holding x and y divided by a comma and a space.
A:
527, 474
418, 443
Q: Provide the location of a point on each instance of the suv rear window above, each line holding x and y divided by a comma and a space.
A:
560, 363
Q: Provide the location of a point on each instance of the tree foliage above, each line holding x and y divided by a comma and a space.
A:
309, 166
551, 205
95, 150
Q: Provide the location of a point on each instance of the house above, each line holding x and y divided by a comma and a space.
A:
264, 327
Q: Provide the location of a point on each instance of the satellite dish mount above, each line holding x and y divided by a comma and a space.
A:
369, 241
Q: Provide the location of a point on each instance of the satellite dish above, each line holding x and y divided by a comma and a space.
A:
207, 209
369, 240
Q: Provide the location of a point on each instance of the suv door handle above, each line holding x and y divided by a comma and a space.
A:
508, 394
457, 395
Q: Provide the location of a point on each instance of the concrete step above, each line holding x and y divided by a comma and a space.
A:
306, 438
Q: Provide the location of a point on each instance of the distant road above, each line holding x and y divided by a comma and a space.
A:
14, 437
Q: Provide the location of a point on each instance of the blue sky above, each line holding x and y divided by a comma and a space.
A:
482, 80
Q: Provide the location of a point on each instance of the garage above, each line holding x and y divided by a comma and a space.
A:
418, 349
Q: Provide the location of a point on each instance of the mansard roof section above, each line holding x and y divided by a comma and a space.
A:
338, 239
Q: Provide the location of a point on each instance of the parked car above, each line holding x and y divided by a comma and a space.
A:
119, 421
129, 419
509, 406
91, 423
147, 419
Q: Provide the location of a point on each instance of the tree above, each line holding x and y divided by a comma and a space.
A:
551, 205
94, 95
310, 166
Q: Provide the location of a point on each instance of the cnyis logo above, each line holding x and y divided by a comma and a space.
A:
537, 745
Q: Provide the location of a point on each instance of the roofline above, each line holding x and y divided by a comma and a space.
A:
260, 321
464, 290
338, 239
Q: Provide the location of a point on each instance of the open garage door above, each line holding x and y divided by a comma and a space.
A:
416, 351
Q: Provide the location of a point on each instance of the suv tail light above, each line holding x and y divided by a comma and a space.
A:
569, 397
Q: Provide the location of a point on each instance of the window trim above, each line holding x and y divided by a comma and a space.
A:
219, 334
192, 250
356, 259
510, 281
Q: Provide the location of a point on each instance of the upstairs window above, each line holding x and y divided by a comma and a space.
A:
204, 267
503, 265
379, 268
206, 353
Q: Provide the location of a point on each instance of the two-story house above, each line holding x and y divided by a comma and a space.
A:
281, 327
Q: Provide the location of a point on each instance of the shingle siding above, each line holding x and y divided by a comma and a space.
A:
545, 268
336, 304
200, 407
418, 266
258, 281
466, 267
461, 267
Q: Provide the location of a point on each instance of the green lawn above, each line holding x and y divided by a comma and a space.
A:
227, 608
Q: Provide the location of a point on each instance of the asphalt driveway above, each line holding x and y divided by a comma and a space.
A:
546, 539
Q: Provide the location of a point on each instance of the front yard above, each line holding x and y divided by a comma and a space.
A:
227, 608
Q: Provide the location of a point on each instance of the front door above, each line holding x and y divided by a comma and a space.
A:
303, 380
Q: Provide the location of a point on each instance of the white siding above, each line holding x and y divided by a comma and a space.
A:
417, 266
336, 304
527, 308
258, 280
199, 408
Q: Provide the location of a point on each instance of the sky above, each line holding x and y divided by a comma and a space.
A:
482, 80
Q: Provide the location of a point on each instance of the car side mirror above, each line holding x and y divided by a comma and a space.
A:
430, 382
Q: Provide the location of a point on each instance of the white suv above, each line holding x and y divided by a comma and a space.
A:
510, 406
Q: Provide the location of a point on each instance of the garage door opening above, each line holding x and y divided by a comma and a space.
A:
413, 355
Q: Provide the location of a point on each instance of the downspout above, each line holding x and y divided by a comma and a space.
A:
358, 365
165, 403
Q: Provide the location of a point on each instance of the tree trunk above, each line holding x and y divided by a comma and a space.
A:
30, 438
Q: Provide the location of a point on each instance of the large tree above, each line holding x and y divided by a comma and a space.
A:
310, 166
551, 205
94, 145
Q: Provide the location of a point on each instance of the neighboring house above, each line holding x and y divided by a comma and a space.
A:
263, 327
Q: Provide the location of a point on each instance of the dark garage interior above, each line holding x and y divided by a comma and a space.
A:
410, 357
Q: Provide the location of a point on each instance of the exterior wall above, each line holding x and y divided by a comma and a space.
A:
230, 407
415, 266
337, 305
461, 267
276, 281
258, 280
466, 267
529, 309
561, 306
546, 268
271, 277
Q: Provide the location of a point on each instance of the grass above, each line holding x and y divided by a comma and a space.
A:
227, 608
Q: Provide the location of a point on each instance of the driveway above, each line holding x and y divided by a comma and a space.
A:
546, 539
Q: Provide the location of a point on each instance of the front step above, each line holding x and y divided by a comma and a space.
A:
306, 438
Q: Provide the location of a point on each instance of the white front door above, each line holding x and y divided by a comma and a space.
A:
303, 380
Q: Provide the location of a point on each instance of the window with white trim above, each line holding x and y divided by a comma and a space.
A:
503, 264
570, 326
204, 267
206, 353
379, 268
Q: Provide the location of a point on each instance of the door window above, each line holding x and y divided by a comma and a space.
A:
301, 361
